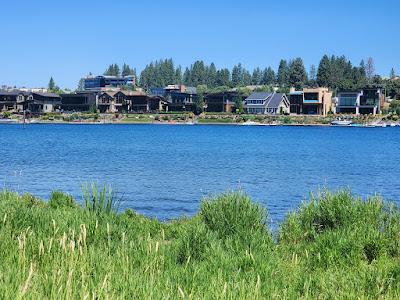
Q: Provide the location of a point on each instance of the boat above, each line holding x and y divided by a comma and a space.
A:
250, 123
8, 121
341, 123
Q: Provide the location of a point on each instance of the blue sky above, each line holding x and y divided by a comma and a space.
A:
68, 39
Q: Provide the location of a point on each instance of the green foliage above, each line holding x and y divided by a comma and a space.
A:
112, 70
59, 199
98, 200
233, 214
283, 73
342, 229
297, 75
335, 246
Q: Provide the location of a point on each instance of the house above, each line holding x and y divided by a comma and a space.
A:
363, 101
102, 83
311, 101
12, 100
80, 101
266, 103
105, 102
222, 102
41, 102
178, 97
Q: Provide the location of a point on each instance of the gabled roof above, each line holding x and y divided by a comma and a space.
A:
259, 96
275, 100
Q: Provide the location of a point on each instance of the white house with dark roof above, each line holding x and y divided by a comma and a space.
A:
267, 103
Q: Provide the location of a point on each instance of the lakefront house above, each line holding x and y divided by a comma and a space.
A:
363, 101
33, 102
310, 101
267, 103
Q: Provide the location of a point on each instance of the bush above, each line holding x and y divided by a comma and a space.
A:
59, 199
341, 229
233, 214
193, 243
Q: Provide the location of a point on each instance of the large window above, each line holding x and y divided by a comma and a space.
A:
348, 100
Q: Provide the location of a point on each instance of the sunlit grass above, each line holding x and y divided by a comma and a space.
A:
335, 246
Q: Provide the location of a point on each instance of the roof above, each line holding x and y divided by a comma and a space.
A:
276, 99
259, 96
12, 93
297, 93
49, 95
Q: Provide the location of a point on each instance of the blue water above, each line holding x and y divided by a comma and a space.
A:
163, 171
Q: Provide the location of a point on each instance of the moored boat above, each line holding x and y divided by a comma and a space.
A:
341, 123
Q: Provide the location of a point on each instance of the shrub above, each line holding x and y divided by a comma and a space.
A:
342, 229
233, 214
193, 243
31, 200
59, 199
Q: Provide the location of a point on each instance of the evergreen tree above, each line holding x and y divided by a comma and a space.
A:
126, 70
198, 73
52, 85
237, 75
297, 73
81, 85
324, 72
211, 79
282, 76
392, 74
269, 77
257, 77
186, 77
223, 78
246, 80
178, 75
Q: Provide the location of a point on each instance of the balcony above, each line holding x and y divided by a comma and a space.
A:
311, 101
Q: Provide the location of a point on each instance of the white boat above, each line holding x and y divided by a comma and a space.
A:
341, 123
250, 123
8, 121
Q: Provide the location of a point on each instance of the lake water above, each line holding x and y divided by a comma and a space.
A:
163, 171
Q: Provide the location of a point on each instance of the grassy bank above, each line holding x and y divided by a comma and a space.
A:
334, 246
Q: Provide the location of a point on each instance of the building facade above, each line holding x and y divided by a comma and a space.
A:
78, 102
101, 83
222, 102
311, 101
364, 101
267, 103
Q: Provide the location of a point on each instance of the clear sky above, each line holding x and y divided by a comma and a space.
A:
68, 39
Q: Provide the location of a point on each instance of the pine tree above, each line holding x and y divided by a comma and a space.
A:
297, 73
211, 76
324, 72
237, 75
187, 77
282, 76
223, 78
392, 74
269, 77
256, 78
52, 84
81, 85
126, 70
178, 75
246, 77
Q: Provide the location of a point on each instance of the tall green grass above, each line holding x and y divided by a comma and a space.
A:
335, 245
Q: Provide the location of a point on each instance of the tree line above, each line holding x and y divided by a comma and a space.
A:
335, 72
